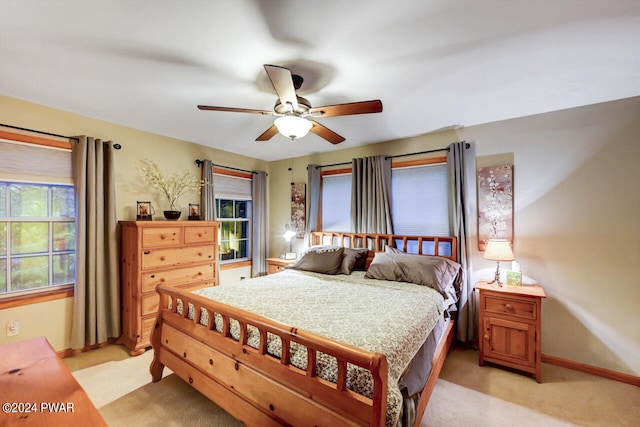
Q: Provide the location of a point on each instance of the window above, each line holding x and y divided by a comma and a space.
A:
233, 210
336, 202
419, 200
37, 236
37, 219
234, 228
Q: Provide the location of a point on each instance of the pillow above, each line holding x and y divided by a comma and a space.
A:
439, 273
353, 259
319, 259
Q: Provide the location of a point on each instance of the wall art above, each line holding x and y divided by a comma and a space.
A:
298, 209
495, 204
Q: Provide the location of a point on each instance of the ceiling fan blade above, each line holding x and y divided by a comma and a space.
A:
268, 134
234, 110
282, 82
325, 133
364, 107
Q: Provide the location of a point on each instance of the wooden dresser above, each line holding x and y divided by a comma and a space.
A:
176, 253
510, 326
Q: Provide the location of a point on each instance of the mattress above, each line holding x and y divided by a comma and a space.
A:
393, 318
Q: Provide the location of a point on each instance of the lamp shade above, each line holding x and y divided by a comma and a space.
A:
292, 126
498, 250
288, 233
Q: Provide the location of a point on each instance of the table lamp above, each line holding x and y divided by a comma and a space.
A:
498, 250
289, 232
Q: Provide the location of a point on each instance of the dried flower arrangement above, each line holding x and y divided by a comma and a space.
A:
172, 186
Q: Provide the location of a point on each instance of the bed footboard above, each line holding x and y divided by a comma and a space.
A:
251, 384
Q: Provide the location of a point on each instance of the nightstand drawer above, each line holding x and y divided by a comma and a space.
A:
509, 306
276, 265
275, 268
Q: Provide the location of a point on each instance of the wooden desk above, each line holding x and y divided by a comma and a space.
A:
37, 389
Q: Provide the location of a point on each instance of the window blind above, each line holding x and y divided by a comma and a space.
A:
34, 163
232, 187
336, 202
419, 200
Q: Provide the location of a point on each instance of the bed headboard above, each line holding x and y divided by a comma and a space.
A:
446, 246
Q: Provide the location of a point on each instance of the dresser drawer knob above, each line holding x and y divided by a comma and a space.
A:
486, 337
162, 280
162, 237
162, 258
508, 306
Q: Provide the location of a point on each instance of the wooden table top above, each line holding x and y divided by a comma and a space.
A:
37, 389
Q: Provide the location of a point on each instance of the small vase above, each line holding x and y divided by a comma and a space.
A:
172, 215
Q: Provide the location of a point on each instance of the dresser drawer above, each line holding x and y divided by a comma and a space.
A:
203, 234
150, 303
147, 327
177, 276
513, 307
159, 258
153, 237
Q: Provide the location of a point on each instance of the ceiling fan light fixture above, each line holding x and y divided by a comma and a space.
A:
293, 126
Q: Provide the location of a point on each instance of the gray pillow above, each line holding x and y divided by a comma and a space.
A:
439, 273
353, 259
319, 259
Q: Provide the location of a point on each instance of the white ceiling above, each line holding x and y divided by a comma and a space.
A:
434, 64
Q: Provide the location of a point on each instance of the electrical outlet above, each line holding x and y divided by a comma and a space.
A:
13, 328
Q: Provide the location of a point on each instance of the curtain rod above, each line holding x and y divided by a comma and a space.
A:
199, 162
115, 146
437, 150
39, 131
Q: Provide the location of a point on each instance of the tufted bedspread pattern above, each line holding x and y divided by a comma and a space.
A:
393, 318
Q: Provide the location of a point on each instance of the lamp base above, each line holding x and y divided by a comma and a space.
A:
496, 279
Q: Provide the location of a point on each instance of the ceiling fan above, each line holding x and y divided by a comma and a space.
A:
295, 114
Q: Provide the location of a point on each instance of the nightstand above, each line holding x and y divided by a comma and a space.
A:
275, 265
510, 326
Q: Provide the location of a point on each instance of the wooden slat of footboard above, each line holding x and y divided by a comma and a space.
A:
270, 397
336, 399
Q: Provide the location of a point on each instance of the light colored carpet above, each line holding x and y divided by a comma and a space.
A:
465, 394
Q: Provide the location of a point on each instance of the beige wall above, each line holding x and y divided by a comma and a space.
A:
576, 206
576, 220
53, 319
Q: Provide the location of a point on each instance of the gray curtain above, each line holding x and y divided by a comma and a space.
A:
371, 195
208, 200
207, 193
260, 224
461, 165
313, 202
96, 304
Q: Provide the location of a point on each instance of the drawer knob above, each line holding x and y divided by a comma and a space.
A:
508, 306
162, 258
486, 337
162, 237
162, 280
199, 253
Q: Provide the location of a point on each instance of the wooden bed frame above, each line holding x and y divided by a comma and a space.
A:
261, 390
